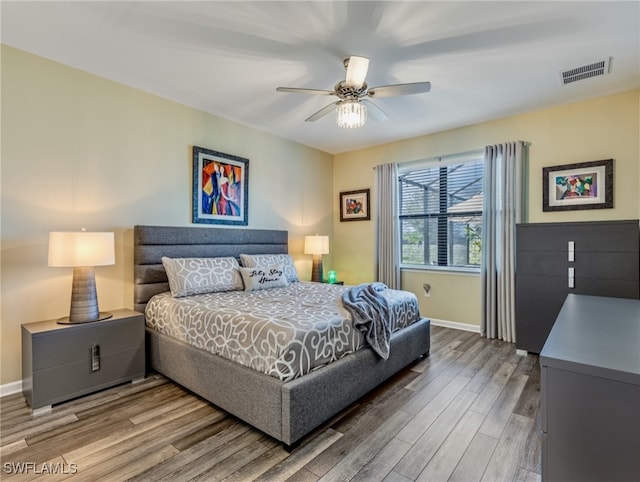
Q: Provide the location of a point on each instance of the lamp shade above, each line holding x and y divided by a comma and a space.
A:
71, 249
316, 244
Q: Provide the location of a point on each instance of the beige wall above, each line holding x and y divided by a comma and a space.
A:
80, 151
602, 128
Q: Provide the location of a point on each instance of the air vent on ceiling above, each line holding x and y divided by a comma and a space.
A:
595, 69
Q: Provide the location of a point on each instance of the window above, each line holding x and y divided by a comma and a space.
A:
440, 202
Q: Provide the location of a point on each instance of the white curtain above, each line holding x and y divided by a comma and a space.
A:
503, 208
387, 230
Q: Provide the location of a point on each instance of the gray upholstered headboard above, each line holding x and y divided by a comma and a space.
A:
151, 243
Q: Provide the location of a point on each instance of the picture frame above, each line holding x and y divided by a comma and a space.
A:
583, 185
355, 205
220, 188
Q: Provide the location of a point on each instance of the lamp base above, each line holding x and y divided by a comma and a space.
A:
316, 268
103, 315
84, 300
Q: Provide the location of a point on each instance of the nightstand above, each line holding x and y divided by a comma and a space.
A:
61, 362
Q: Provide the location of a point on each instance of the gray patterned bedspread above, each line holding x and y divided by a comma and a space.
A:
283, 332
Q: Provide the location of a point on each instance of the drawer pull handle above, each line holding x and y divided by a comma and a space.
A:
95, 357
572, 278
572, 251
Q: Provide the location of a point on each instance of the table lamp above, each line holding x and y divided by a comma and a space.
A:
317, 246
82, 251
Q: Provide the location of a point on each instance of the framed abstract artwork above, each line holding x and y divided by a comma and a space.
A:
220, 188
584, 185
355, 205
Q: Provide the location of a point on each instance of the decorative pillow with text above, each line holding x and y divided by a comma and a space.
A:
260, 278
267, 260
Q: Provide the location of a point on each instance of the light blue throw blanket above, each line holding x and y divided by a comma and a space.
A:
370, 313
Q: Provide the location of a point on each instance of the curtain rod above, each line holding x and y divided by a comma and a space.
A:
472, 151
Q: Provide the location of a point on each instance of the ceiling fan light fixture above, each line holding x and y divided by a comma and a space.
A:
351, 114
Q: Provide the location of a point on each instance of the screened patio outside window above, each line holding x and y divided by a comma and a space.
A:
440, 211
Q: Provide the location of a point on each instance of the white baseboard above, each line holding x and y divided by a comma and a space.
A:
456, 325
10, 388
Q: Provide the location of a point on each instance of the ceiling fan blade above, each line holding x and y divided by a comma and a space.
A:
321, 113
400, 89
357, 68
374, 111
305, 91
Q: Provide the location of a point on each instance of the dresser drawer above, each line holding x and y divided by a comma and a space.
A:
601, 265
556, 288
612, 236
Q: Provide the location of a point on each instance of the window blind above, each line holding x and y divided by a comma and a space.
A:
440, 210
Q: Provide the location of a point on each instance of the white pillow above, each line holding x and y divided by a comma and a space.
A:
193, 276
268, 260
260, 278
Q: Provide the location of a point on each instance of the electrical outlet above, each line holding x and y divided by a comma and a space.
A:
427, 290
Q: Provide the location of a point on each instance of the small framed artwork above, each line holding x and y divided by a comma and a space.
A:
584, 185
355, 205
220, 188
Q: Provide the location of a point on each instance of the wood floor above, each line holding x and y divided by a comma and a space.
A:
467, 412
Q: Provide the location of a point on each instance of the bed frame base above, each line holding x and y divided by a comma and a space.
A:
289, 410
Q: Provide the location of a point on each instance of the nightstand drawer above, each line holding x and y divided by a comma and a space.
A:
60, 362
62, 347
63, 382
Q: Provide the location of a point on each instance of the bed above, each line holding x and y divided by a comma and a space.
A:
284, 407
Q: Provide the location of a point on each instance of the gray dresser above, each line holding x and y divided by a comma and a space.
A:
600, 258
60, 362
590, 392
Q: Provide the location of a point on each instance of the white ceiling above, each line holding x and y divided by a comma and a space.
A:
485, 60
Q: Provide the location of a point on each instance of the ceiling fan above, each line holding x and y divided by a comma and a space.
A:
353, 94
